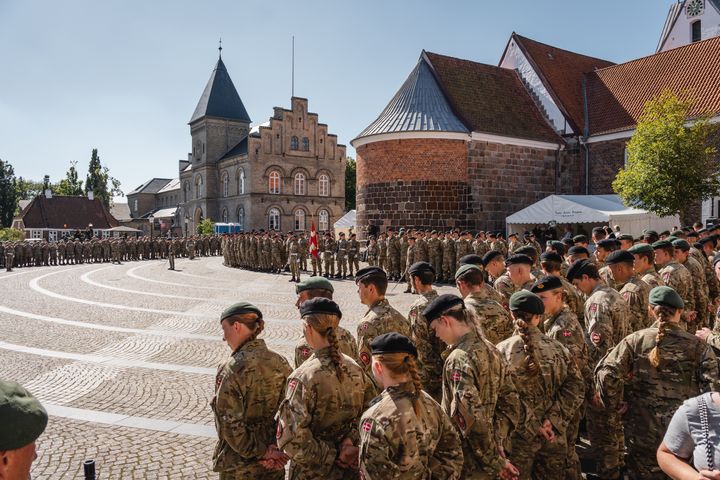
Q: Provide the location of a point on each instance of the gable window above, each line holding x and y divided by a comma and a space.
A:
225, 184
305, 144
323, 220
241, 182
300, 220
324, 186
274, 219
695, 31
299, 184
274, 183
294, 143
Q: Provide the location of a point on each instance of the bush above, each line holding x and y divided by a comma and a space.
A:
206, 227
11, 235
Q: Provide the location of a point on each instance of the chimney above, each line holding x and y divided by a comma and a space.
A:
48, 193
91, 195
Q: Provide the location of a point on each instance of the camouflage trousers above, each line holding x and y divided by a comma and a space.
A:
303, 261
644, 430
342, 265
394, 265
353, 264
573, 468
448, 268
316, 264
604, 429
294, 263
382, 262
539, 459
329, 264
436, 262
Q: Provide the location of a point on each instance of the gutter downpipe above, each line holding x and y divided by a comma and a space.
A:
585, 135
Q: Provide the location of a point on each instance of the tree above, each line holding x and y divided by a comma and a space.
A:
206, 227
671, 166
27, 189
8, 194
350, 178
100, 182
11, 235
70, 185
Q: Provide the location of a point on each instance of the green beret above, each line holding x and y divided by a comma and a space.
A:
640, 248
626, 236
547, 283
619, 256
661, 244
671, 238
313, 283
490, 256
320, 305
527, 250
441, 304
239, 309
392, 343
666, 296
464, 268
22, 417
681, 244
527, 302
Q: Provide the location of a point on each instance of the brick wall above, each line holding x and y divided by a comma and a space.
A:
606, 159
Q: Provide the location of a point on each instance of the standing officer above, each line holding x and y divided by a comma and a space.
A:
372, 252
23, 420
382, 257
353, 252
329, 248
341, 257
393, 255
9, 256
294, 258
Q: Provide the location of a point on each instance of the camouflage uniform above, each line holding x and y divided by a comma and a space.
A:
574, 299
393, 257
248, 390
480, 247
429, 347
482, 402
353, 252
700, 290
462, 248
435, 255
712, 283
636, 293
554, 394
680, 279
493, 319
448, 258
329, 249
316, 260
372, 251
651, 277
382, 257
403, 253
303, 252
395, 443
318, 413
506, 287
341, 257
687, 368
345, 340
294, 258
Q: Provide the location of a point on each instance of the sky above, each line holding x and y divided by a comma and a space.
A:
125, 76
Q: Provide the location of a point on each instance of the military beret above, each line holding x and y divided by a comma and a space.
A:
22, 417
692, 233
666, 296
640, 248
464, 268
671, 238
558, 246
681, 244
547, 283
703, 230
518, 259
369, 272
440, 304
490, 256
580, 239
412, 237
434, 232
626, 236
392, 343
420, 267
313, 283
619, 256
239, 309
665, 233
512, 235
527, 302
551, 257
578, 268
320, 305
578, 250
491, 234
598, 230
471, 259
705, 240
661, 244
649, 232
526, 250
607, 243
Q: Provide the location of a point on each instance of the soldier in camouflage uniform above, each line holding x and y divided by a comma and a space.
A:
353, 254
372, 252
551, 263
248, 390
448, 258
9, 256
435, 253
191, 248
493, 319
657, 369
341, 256
703, 252
381, 317
393, 256
604, 248
294, 258
405, 434
329, 249
382, 258
478, 393
324, 399
410, 257
517, 277
463, 246
548, 383
316, 255
480, 246
513, 243
633, 290
644, 265
303, 251
677, 277
700, 288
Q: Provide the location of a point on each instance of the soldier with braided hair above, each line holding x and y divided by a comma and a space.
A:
478, 393
550, 386
324, 399
405, 434
649, 374
248, 390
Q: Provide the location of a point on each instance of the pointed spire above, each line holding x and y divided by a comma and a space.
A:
220, 49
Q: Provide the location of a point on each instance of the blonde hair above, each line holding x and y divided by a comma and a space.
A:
326, 324
522, 322
252, 320
403, 363
664, 315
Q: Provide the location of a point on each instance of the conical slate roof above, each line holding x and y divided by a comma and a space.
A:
220, 99
419, 105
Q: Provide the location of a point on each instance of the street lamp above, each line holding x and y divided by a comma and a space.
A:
151, 219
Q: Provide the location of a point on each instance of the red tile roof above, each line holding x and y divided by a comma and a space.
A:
562, 74
75, 212
490, 99
617, 94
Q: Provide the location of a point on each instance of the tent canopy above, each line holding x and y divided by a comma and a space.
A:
347, 220
123, 229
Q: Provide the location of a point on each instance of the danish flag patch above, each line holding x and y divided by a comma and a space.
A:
291, 385
456, 376
365, 358
367, 426
306, 352
566, 333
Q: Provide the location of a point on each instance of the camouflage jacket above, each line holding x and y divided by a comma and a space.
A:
395, 443
494, 294
566, 329
248, 390
506, 287
382, 246
679, 278
480, 247
480, 398
573, 298
318, 412
607, 320
346, 344
462, 248
710, 277
429, 347
493, 319
448, 248
700, 286
651, 277
637, 295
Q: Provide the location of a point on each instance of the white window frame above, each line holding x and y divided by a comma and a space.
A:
274, 219
299, 183
274, 183
36, 234
106, 234
52, 235
135, 205
323, 220
300, 220
324, 185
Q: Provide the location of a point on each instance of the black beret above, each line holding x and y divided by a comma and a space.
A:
578, 250
681, 244
369, 272
666, 296
392, 343
239, 309
490, 256
440, 304
578, 268
420, 267
22, 417
619, 256
518, 259
320, 305
705, 240
526, 250
661, 244
580, 239
607, 243
471, 259
692, 233
547, 283
527, 302
558, 246
464, 268
551, 257
313, 283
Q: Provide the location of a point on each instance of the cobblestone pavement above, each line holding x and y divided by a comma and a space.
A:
124, 356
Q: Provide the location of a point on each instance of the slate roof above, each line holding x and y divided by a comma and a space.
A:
561, 71
490, 99
173, 184
121, 211
617, 94
418, 106
240, 149
220, 99
154, 185
75, 212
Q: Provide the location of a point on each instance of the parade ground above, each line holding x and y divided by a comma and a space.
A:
124, 357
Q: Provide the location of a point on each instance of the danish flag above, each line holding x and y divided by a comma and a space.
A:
313, 241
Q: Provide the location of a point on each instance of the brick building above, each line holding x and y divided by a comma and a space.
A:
464, 144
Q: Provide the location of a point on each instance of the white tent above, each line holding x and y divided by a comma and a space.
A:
588, 209
347, 221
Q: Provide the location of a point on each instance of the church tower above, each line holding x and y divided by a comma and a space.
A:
690, 21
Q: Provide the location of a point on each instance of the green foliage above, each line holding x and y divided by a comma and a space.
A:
70, 185
27, 189
206, 227
8, 194
100, 182
11, 235
350, 178
670, 165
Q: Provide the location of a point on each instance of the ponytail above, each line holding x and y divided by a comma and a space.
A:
522, 322
326, 325
403, 364
251, 320
663, 314
412, 370
335, 354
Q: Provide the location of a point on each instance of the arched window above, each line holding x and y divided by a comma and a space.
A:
226, 184
305, 144
241, 182
225, 215
274, 183
324, 185
300, 219
323, 220
299, 184
274, 219
241, 218
293, 143
696, 31
199, 187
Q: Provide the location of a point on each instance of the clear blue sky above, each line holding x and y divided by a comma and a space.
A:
125, 76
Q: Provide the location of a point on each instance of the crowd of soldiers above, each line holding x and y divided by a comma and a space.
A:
72, 251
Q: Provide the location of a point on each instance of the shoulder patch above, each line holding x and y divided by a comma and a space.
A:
364, 326
292, 385
567, 333
626, 296
457, 375
305, 352
594, 307
367, 425
365, 358
595, 338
